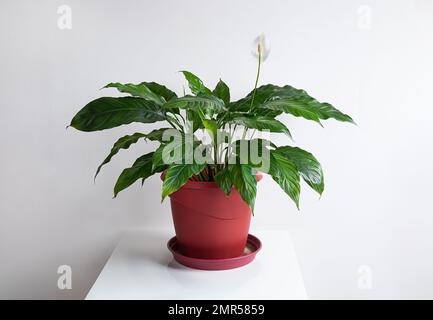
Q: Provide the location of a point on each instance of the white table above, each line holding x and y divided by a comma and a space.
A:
141, 267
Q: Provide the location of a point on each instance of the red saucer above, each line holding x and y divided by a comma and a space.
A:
253, 246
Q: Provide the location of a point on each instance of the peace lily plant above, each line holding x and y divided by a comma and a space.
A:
211, 111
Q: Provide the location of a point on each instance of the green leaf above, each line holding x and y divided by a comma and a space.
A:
206, 104
148, 90
126, 141
157, 160
195, 83
194, 117
122, 143
157, 134
261, 123
212, 127
107, 112
177, 175
224, 180
155, 170
272, 100
294, 106
245, 183
326, 111
307, 165
142, 168
285, 173
222, 91
264, 94
160, 90
308, 108
136, 90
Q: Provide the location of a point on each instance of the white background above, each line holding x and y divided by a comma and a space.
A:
372, 59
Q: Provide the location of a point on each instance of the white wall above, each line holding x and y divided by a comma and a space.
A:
376, 209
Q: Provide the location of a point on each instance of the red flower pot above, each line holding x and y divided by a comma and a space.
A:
208, 224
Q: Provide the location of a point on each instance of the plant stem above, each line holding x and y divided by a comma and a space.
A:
215, 152
221, 152
171, 123
210, 173
259, 49
244, 134
201, 177
183, 119
258, 75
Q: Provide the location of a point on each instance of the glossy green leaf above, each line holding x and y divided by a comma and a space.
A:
264, 94
123, 143
245, 182
224, 180
195, 119
160, 90
206, 104
142, 168
294, 106
307, 165
326, 111
157, 134
126, 141
285, 173
261, 123
300, 104
275, 99
195, 83
212, 127
137, 90
107, 112
222, 91
177, 175
157, 160
155, 170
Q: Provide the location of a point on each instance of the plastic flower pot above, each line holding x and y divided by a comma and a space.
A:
208, 224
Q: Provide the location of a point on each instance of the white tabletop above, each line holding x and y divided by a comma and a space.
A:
141, 267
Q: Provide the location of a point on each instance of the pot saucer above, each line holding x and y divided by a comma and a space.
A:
252, 247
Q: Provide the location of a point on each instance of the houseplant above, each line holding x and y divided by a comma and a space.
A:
212, 185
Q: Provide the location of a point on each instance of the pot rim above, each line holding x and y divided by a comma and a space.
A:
206, 184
